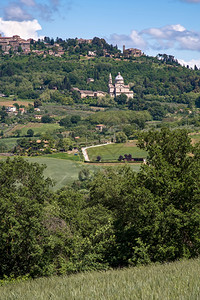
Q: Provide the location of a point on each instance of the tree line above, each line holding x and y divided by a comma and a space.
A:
113, 218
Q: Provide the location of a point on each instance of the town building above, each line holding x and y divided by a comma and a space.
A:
100, 127
132, 52
14, 43
11, 108
118, 87
87, 93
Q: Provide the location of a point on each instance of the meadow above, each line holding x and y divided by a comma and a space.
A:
64, 171
172, 281
5, 101
113, 151
10, 143
61, 171
38, 128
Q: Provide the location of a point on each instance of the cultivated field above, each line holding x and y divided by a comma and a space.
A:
64, 171
174, 281
61, 171
9, 142
8, 101
113, 151
38, 128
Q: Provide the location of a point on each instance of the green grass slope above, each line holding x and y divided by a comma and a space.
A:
179, 280
61, 171
113, 151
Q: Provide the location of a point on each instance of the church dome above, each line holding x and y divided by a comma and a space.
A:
119, 78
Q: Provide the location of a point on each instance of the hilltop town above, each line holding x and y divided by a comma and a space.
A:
89, 47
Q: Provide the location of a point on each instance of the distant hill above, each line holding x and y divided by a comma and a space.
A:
51, 78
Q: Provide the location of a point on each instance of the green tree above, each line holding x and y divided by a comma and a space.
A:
121, 99
17, 132
121, 137
46, 119
23, 195
66, 122
30, 132
37, 103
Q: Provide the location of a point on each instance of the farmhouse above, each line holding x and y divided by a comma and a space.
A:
11, 108
87, 93
100, 127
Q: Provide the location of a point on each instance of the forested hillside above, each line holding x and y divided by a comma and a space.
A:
52, 78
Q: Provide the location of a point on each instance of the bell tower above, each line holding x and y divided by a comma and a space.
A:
110, 86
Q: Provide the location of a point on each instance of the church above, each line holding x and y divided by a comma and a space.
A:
118, 87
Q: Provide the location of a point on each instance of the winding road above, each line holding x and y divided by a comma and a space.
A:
84, 150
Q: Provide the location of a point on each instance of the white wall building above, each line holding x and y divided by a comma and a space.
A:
118, 87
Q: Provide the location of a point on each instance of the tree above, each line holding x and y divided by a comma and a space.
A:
30, 132
66, 122
17, 132
98, 158
37, 103
121, 137
75, 119
3, 114
46, 119
121, 99
197, 102
156, 212
23, 194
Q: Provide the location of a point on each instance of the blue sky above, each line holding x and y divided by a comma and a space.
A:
159, 26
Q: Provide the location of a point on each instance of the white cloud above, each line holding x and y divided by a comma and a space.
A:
25, 29
190, 63
28, 2
166, 32
132, 40
191, 1
15, 12
172, 36
137, 39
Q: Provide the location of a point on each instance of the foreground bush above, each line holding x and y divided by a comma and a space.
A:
118, 218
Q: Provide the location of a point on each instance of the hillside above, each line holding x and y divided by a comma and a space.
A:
52, 78
179, 280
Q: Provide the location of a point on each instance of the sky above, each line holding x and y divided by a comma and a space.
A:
159, 26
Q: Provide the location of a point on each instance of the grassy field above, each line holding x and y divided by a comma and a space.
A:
64, 171
113, 151
9, 142
64, 156
38, 128
174, 281
61, 171
4, 101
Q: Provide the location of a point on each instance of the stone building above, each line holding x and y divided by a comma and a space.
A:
87, 93
14, 42
132, 52
118, 87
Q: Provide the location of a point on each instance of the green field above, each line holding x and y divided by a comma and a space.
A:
173, 281
9, 142
38, 128
113, 151
64, 156
61, 171
65, 171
